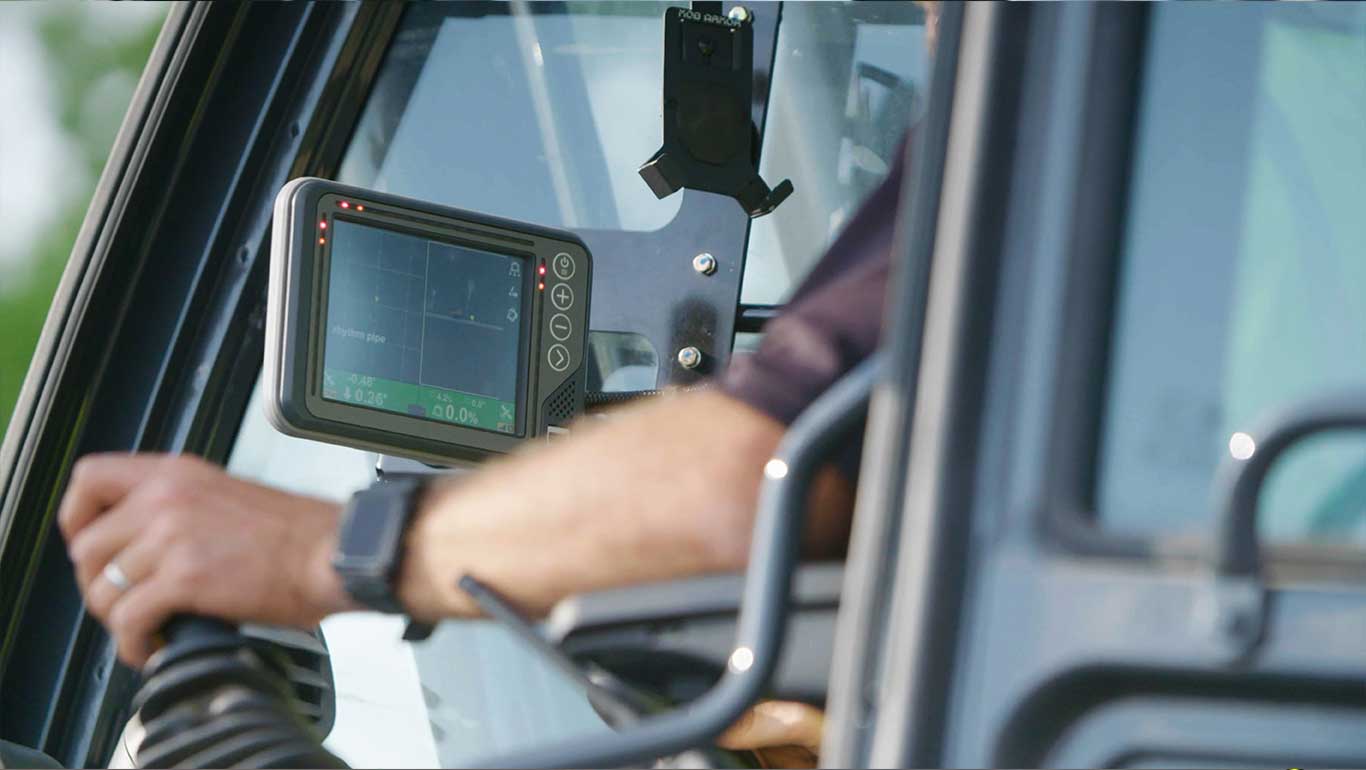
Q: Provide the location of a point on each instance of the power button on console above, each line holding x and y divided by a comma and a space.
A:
563, 265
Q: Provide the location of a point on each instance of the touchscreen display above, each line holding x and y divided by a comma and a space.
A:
424, 328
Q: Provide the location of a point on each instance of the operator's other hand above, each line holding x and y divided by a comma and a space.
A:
781, 733
189, 538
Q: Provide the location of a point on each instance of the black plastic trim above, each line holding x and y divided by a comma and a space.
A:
1113, 89
872, 561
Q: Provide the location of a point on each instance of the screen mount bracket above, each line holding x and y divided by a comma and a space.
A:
710, 141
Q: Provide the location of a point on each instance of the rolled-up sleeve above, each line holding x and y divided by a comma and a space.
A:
832, 322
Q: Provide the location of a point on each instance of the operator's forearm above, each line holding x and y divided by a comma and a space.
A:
659, 491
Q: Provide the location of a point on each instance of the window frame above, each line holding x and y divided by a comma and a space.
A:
1091, 261
1067, 512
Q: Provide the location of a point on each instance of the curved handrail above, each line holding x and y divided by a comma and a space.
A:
1240, 595
1239, 482
768, 583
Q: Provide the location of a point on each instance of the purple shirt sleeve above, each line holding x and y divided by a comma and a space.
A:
832, 321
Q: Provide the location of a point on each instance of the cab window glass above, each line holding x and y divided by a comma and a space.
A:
559, 102
1242, 286
848, 78
534, 111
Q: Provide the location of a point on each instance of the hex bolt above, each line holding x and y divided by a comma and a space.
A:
704, 263
740, 14
690, 357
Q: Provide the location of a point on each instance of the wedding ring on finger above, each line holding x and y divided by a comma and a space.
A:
116, 576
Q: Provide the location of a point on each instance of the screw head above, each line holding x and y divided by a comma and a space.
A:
704, 263
740, 14
689, 357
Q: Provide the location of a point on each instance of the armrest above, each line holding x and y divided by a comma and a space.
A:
674, 638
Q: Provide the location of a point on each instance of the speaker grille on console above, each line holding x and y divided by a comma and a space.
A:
563, 403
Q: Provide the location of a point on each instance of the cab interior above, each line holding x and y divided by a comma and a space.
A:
1129, 245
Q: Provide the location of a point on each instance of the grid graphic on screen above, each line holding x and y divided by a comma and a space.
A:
423, 328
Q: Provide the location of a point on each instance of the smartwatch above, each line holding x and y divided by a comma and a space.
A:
370, 541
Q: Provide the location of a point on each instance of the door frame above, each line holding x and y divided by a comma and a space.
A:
1016, 631
153, 339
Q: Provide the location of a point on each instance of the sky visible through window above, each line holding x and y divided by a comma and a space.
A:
67, 72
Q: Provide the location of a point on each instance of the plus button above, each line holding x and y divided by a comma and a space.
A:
562, 296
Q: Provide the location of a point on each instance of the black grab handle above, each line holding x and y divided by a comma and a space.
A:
1239, 481
194, 632
1242, 603
209, 699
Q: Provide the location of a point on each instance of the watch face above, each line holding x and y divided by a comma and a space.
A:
372, 528
366, 531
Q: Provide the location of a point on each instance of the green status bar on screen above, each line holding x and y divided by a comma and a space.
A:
430, 403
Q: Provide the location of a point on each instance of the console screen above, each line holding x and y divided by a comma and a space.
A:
425, 328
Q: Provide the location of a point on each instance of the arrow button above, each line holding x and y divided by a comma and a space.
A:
558, 357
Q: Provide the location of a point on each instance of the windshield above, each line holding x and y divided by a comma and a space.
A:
568, 95
847, 81
514, 110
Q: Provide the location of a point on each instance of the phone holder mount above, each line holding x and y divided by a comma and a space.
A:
710, 141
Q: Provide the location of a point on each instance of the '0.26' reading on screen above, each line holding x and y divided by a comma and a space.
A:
423, 328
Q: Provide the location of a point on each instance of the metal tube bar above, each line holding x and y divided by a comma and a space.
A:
814, 435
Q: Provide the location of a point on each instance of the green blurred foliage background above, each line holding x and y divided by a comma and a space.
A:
89, 66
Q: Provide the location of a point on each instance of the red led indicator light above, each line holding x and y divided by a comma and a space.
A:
540, 270
322, 225
344, 204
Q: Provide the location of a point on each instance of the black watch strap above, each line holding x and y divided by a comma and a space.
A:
370, 541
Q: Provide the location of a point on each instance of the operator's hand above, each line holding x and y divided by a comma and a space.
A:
781, 733
186, 537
